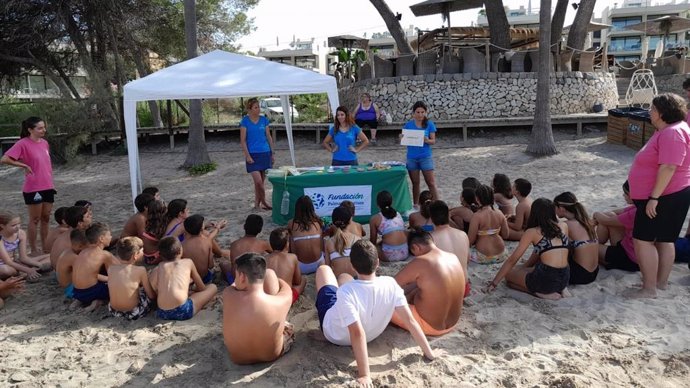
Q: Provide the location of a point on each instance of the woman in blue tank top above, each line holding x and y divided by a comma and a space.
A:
257, 145
420, 158
342, 138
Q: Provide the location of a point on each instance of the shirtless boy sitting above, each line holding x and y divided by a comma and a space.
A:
90, 286
198, 247
130, 290
518, 222
171, 281
254, 311
65, 263
284, 263
76, 217
434, 284
248, 243
354, 312
55, 232
450, 239
135, 225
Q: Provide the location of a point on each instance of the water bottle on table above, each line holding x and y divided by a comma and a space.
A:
285, 203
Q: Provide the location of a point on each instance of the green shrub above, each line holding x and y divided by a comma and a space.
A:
202, 169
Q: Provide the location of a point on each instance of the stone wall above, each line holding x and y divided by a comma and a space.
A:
670, 83
476, 95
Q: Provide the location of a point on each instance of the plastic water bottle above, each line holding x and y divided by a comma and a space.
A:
285, 203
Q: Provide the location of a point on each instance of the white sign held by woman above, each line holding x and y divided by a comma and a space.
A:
412, 137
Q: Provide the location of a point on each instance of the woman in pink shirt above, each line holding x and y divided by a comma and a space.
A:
32, 154
660, 189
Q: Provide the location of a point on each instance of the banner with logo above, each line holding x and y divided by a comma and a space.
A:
328, 198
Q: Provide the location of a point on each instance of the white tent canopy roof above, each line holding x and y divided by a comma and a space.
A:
220, 74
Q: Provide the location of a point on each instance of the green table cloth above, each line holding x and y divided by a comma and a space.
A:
327, 190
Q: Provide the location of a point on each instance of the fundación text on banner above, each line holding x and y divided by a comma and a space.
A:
328, 198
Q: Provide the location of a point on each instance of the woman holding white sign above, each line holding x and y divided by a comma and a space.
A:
342, 138
419, 157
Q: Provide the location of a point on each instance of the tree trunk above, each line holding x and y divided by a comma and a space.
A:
578, 31
542, 142
197, 153
498, 27
143, 69
557, 23
394, 27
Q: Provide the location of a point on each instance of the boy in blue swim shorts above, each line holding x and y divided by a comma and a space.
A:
171, 281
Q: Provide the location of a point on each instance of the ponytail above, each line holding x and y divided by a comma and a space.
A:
339, 239
384, 200
568, 201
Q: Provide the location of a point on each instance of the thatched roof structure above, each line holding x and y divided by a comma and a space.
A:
520, 37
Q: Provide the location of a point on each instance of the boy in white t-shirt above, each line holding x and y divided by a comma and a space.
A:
359, 310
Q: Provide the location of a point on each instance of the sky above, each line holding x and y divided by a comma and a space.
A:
305, 19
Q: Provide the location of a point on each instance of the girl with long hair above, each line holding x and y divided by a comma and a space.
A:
306, 235
584, 255
388, 224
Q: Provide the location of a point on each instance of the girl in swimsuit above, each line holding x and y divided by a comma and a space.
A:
305, 236
422, 218
154, 230
14, 246
503, 194
177, 213
546, 273
390, 226
338, 247
488, 228
584, 257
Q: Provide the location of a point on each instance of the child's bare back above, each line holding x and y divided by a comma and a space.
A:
124, 282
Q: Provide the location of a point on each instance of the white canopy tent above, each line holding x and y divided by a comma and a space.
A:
220, 74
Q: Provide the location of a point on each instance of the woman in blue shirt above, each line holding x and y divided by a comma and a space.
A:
257, 145
419, 158
342, 137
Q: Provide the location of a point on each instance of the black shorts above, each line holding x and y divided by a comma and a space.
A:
372, 124
546, 279
38, 197
578, 273
617, 258
670, 216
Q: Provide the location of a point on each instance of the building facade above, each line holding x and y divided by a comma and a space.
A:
306, 54
627, 45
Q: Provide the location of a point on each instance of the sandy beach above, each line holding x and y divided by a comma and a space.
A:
597, 338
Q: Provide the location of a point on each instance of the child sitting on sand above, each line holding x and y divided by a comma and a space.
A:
76, 217
306, 239
284, 263
255, 310
584, 255
616, 227
8, 287
176, 214
65, 262
154, 231
518, 222
488, 228
136, 224
422, 219
470, 183
128, 284
247, 243
354, 312
503, 194
90, 286
338, 248
171, 279
14, 247
354, 227
198, 247
55, 232
388, 224
461, 216
546, 273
